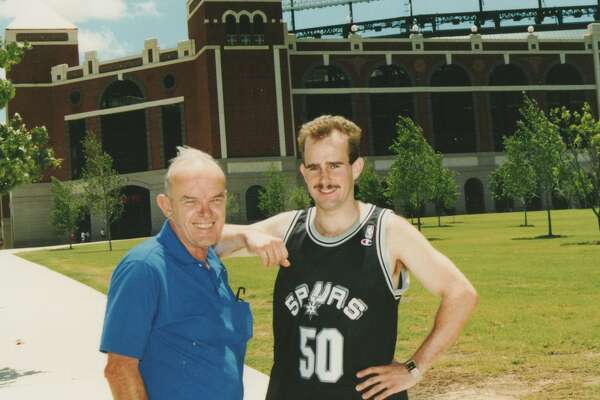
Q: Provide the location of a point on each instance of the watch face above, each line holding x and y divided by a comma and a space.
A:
410, 365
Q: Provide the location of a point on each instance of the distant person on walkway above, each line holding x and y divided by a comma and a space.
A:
173, 328
82, 237
335, 310
102, 234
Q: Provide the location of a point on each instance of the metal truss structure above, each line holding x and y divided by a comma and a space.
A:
452, 24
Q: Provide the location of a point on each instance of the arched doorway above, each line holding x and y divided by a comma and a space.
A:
327, 76
135, 220
386, 107
124, 134
474, 202
453, 119
253, 212
505, 105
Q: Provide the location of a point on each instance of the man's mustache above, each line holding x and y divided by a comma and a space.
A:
321, 187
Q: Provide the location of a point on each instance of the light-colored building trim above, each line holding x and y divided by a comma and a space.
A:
117, 110
596, 56
121, 71
464, 161
253, 166
444, 89
429, 52
279, 101
293, 117
221, 104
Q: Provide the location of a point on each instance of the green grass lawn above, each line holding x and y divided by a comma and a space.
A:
535, 335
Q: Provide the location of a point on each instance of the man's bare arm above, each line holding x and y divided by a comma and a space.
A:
264, 238
124, 378
442, 278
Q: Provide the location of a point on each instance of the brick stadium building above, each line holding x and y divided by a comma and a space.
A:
240, 86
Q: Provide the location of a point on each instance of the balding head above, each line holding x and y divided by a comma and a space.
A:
190, 159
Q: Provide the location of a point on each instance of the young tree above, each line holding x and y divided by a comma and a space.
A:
298, 198
514, 179
271, 200
581, 133
24, 154
445, 191
67, 209
537, 144
370, 186
233, 207
101, 184
410, 179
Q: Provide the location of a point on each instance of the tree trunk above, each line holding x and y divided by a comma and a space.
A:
1, 217
525, 215
108, 233
419, 221
597, 213
548, 207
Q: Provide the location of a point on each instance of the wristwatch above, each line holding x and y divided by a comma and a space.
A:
411, 367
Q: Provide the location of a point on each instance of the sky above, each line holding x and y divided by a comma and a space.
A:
117, 28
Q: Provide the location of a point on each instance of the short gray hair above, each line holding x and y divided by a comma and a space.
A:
189, 155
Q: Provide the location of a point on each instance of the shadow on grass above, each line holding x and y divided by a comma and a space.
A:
525, 226
9, 375
440, 226
586, 243
541, 237
434, 239
80, 251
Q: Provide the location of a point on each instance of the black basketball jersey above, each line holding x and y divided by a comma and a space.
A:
335, 311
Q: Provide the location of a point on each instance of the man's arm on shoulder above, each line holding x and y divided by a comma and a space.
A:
263, 238
410, 249
124, 378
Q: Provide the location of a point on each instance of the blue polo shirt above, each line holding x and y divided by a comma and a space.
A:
180, 319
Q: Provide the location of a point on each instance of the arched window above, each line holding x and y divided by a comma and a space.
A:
474, 202
564, 74
253, 212
327, 76
386, 107
453, 121
505, 105
258, 25
121, 93
245, 31
230, 25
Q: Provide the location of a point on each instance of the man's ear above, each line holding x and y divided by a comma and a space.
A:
164, 203
357, 167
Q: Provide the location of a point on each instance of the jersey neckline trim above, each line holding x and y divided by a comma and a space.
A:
338, 240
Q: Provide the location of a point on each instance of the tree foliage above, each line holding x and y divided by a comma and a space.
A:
537, 151
101, 184
371, 187
581, 133
298, 198
410, 178
67, 209
444, 190
271, 200
24, 154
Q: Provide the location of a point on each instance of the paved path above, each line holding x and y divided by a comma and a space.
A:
50, 329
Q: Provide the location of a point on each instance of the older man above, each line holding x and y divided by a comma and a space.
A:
173, 328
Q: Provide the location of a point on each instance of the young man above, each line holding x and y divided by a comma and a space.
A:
335, 309
173, 328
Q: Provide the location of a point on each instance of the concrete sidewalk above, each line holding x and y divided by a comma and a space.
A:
50, 329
